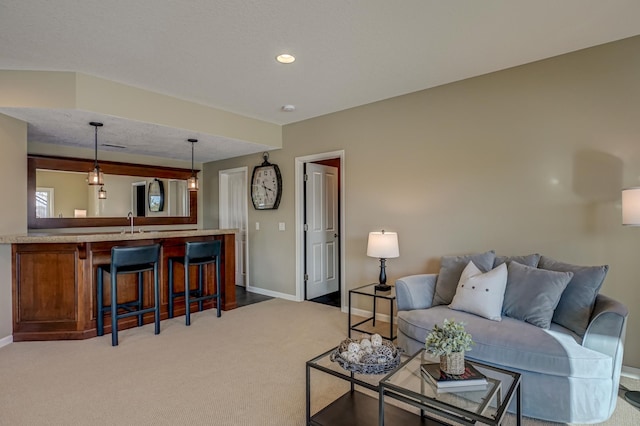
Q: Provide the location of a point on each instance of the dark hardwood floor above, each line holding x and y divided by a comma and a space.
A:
244, 297
331, 299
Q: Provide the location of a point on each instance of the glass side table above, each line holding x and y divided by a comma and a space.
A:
370, 290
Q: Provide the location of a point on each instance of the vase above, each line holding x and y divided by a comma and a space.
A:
452, 363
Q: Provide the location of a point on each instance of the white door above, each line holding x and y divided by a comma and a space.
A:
321, 205
233, 214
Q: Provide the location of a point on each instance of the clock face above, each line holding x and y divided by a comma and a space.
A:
266, 187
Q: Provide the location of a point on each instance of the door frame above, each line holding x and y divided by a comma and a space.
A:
299, 202
223, 188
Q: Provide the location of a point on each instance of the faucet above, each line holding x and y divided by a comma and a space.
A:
130, 217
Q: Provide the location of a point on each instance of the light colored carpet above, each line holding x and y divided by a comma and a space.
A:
245, 368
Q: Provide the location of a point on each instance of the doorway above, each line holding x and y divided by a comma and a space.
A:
233, 214
320, 199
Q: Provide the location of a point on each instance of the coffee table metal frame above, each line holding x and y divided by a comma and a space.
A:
449, 411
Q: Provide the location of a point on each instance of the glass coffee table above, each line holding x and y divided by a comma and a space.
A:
487, 406
359, 405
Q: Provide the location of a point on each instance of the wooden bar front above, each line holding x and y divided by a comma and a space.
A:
54, 284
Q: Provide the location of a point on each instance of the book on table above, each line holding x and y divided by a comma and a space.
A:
471, 378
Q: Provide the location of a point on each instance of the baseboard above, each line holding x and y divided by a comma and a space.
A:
366, 314
6, 341
631, 372
271, 293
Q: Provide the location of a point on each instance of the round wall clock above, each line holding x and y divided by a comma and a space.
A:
266, 185
156, 196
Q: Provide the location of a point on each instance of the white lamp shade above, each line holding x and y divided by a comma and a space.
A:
383, 245
631, 206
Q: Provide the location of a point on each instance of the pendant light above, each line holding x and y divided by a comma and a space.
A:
95, 176
102, 194
192, 182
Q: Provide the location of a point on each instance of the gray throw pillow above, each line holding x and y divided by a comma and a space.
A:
529, 260
576, 304
532, 294
451, 268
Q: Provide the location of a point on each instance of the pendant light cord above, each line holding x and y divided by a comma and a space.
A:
95, 161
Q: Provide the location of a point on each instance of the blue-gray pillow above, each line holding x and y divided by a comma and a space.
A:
532, 294
451, 268
576, 304
529, 260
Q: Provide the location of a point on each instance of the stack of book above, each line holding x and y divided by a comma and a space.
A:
470, 380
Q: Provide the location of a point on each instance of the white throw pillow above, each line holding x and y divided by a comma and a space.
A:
481, 293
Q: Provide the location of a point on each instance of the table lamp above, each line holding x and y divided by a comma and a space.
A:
631, 216
383, 245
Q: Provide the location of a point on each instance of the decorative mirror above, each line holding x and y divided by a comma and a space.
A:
156, 196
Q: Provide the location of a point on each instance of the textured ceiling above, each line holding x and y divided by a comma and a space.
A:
349, 52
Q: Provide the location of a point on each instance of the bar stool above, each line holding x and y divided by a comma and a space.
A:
128, 260
198, 254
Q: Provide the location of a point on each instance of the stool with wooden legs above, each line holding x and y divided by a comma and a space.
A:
128, 260
198, 254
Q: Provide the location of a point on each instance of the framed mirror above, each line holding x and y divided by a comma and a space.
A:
156, 180
156, 195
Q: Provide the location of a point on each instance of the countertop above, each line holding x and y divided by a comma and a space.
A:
42, 237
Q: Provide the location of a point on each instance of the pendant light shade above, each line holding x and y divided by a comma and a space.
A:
96, 176
192, 182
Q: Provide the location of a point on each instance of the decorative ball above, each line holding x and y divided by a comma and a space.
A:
369, 359
353, 347
384, 351
344, 355
368, 350
365, 343
376, 340
353, 357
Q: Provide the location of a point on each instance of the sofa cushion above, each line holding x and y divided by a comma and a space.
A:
450, 270
514, 344
481, 293
576, 304
532, 294
529, 260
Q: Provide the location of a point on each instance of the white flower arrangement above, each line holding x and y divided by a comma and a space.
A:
449, 338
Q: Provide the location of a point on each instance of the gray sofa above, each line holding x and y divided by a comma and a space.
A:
569, 375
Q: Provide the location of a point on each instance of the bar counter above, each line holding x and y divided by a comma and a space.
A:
54, 279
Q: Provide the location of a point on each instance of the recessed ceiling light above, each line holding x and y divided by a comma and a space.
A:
285, 58
288, 108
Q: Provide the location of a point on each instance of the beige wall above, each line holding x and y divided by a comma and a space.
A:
13, 211
530, 159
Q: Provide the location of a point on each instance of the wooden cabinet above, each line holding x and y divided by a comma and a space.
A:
54, 290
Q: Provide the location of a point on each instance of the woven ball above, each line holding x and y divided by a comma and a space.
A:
353, 357
376, 340
354, 347
369, 359
384, 351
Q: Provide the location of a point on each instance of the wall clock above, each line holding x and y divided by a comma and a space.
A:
156, 196
266, 185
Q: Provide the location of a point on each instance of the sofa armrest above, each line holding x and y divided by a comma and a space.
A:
607, 328
415, 291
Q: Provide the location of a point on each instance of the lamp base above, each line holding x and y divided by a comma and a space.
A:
633, 398
383, 287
